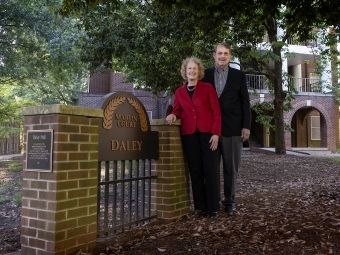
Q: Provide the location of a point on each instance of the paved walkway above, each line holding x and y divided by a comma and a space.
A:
307, 152
9, 156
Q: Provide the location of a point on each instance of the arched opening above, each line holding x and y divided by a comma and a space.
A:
310, 129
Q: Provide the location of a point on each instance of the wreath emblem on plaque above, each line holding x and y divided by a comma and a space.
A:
112, 106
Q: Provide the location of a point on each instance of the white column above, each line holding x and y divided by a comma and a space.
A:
326, 78
284, 71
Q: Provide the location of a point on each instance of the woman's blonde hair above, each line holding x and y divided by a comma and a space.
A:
197, 62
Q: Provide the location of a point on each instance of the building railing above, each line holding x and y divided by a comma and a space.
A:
261, 83
257, 82
294, 41
306, 84
308, 43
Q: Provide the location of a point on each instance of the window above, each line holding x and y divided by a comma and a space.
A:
315, 128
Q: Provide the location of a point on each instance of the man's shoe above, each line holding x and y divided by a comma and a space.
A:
202, 214
230, 208
213, 215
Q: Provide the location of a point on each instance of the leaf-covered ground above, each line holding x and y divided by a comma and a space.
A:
10, 204
286, 205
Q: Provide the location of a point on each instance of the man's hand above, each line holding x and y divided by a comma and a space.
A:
170, 118
214, 142
245, 134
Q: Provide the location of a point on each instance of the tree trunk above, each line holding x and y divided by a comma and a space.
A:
279, 97
334, 68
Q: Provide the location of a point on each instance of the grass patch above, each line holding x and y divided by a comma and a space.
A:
10, 181
3, 192
18, 198
10, 192
13, 165
337, 160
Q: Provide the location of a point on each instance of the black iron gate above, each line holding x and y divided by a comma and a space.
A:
126, 145
124, 195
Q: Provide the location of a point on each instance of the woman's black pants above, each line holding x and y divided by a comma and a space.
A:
202, 163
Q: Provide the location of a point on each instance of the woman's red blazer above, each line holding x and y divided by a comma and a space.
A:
201, 112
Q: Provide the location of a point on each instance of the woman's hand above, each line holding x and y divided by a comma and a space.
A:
170, 118
214, 142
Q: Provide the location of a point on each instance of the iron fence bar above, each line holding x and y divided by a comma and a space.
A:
106, 194
136, 190
99, 167
149, 187
122, 189
114, 193
129, 193
143, 190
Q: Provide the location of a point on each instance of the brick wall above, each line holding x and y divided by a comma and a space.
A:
307, 68
337, 124
100, 83
170, 194
324, 105
328, 109
103, 83
59, 208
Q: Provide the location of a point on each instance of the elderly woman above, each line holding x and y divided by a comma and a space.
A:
196, 104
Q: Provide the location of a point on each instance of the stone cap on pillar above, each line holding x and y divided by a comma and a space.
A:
162, 122
61, 109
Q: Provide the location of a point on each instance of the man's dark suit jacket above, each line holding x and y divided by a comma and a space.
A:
234, 101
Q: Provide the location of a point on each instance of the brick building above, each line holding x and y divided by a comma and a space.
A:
314, 119
104, 83
315, 114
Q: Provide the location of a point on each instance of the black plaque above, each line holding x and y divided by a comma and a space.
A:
39, 150
124, 130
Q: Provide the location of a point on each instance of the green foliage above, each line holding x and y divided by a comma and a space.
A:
18, 198
336, 159
10, 107
4, 192
40, 54
262, 111
14, 165
148, 39
39, 59
145, 43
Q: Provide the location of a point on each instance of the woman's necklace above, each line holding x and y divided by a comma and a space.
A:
192, 88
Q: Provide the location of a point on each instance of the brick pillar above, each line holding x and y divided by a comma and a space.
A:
59, 208
171, 193
287, 136
336, 127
